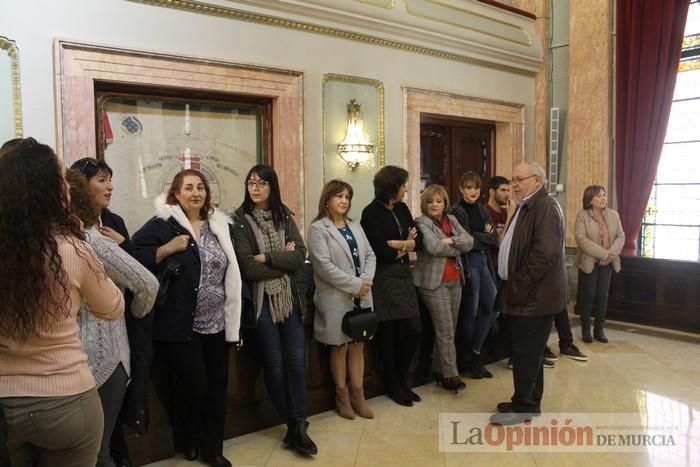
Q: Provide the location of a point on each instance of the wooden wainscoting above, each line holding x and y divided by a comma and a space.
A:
248, 407
657, 292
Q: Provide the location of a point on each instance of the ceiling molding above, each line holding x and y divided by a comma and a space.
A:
464, 31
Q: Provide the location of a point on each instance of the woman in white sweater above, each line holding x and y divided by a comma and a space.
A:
106, 342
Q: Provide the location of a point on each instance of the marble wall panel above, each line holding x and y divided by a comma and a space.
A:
589, 127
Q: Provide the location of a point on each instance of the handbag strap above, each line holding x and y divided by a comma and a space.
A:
177, 228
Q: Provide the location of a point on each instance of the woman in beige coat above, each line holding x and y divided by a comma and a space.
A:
599, 238
344, 266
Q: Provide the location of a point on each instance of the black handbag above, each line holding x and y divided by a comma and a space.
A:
360, 324
171, 269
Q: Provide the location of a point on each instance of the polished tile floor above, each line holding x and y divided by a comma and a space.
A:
656, 377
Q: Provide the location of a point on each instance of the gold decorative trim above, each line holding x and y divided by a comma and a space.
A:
689, 65
528, 39
13, 52
379, 86
691, 41
232, 13
388, 4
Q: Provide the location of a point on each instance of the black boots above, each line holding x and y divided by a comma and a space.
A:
475, 368
586, 329
599, 331
298, 439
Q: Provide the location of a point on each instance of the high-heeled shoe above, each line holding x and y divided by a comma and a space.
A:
451, 384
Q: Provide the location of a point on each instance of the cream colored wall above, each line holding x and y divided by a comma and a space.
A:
34, 24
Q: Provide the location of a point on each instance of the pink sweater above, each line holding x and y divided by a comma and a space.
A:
53, 363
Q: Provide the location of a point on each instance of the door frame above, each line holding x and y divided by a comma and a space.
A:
509, 119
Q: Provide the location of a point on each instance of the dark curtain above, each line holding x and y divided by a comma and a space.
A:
649, 35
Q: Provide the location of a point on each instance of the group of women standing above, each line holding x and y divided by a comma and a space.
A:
67, 348
65, 353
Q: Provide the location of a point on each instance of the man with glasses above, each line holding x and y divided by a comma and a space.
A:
533, 289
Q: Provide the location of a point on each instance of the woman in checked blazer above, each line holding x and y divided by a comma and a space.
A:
439, 277
344, 266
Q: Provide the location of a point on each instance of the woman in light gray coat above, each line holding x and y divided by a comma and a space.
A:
344, 265
439, 277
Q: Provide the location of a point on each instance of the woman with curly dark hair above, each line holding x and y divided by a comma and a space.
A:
134, 412
47, 392
105, 342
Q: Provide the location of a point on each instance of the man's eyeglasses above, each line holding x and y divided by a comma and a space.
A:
260, 184
520, 179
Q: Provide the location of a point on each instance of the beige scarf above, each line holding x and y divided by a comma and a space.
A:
280, 289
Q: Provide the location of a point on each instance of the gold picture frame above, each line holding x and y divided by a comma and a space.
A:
14, 114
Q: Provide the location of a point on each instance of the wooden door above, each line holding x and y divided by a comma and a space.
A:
451, 147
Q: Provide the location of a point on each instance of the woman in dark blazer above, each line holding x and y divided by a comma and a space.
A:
271, 252
200, 312
599, 238
344, 265
391, 232
439, 277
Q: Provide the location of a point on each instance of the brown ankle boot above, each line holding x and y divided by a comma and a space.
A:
357, 398
342, 403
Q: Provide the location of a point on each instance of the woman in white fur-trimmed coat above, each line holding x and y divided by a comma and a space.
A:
191, 241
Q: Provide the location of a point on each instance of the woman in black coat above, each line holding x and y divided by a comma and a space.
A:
392, 233
200, 312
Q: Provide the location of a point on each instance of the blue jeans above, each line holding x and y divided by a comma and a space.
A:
281, 347
477, 307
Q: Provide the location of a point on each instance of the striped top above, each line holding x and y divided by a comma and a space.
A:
53, 362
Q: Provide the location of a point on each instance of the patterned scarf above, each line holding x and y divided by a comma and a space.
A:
280, 289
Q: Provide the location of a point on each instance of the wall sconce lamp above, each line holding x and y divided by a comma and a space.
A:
355, 149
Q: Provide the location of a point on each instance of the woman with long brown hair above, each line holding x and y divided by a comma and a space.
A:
46, 389
344, 265
106, 342
134, 411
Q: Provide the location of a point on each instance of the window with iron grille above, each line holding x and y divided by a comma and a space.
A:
671, 224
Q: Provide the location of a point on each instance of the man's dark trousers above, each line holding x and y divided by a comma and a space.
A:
561, 322
528, 337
